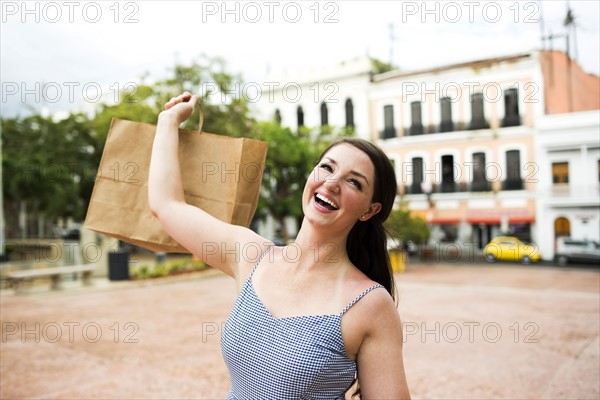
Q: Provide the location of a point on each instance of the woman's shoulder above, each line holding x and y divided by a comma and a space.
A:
375, 315
370, 296
372, 314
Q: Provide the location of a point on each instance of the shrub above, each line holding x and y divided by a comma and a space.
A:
167, 268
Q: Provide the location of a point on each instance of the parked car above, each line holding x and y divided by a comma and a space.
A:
410, 247
569, 250
510, 248
73, 233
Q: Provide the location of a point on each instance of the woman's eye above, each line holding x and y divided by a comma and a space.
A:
355, 183
326, 167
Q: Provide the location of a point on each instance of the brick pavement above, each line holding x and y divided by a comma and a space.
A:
471, 332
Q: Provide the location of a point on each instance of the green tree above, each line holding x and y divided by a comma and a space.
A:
403, 227
49, 167
226, 110
45, 163
379, 67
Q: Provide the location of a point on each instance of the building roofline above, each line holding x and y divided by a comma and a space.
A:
473, 63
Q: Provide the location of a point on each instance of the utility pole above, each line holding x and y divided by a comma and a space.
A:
392, 40
569, 23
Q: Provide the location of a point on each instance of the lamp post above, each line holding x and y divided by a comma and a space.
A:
427, 188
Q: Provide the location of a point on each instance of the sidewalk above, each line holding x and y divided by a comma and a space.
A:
471, 331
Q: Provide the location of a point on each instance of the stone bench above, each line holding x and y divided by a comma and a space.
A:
21, 278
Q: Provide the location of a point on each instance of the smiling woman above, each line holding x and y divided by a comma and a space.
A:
311, 325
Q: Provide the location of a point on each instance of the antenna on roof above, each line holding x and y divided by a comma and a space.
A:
393, 38
542, 28
569, 23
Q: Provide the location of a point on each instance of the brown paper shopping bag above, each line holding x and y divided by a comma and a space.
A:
221, 175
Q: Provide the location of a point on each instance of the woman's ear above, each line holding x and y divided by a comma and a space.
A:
372, 210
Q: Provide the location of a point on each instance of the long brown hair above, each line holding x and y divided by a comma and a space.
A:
367, 240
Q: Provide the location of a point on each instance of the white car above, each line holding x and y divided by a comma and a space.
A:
569, 250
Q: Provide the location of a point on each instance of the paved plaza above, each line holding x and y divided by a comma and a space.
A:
473, 331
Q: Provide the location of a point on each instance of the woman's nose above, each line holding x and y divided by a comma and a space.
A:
332, 183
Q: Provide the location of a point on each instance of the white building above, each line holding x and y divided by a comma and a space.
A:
335, 96
461, 137
476, 145
568, 158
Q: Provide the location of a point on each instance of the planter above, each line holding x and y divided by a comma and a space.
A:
118, 265
398, 260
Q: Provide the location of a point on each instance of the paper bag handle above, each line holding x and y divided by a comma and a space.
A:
201, 117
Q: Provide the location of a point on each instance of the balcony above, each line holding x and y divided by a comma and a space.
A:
471, 187
446, 126
511, 120
480, 186
387, 133
416, 130
512, 184
572, 195
478, 124
413, 188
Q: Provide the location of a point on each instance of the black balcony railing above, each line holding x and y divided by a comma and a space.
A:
478, 124
480, 186
512, 184
416, 130
387, 133
511, 120
449, 187
444, 187
446, 126
413, 188
457, 187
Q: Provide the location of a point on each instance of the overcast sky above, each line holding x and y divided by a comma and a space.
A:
51, 51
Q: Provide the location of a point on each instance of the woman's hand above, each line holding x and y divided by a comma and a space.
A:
181, 107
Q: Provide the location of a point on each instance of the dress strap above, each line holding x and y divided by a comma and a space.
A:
360, 296
259, 260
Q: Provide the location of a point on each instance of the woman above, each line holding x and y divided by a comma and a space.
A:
312, 316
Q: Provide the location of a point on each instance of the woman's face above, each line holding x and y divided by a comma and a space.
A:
339, 190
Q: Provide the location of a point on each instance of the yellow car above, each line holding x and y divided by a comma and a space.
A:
509, 248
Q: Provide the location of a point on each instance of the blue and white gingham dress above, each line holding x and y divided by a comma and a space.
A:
284, 358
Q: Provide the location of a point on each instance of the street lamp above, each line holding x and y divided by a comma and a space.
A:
427, 188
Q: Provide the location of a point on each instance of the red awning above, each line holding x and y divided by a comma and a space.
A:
497, 221
494, 217
444, 221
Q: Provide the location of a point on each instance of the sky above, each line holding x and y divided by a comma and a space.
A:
56, 55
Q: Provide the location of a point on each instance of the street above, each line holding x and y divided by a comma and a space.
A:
502, 331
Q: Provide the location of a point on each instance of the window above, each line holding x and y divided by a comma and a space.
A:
511, 108
300, 117
324, 114
513, 171
416, 127
349, 113
477, 115
560, 172
480, 182
389, 130
417, 175
277, 117
448, 183
446, 109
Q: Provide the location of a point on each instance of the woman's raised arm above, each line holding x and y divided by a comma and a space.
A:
215, 242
